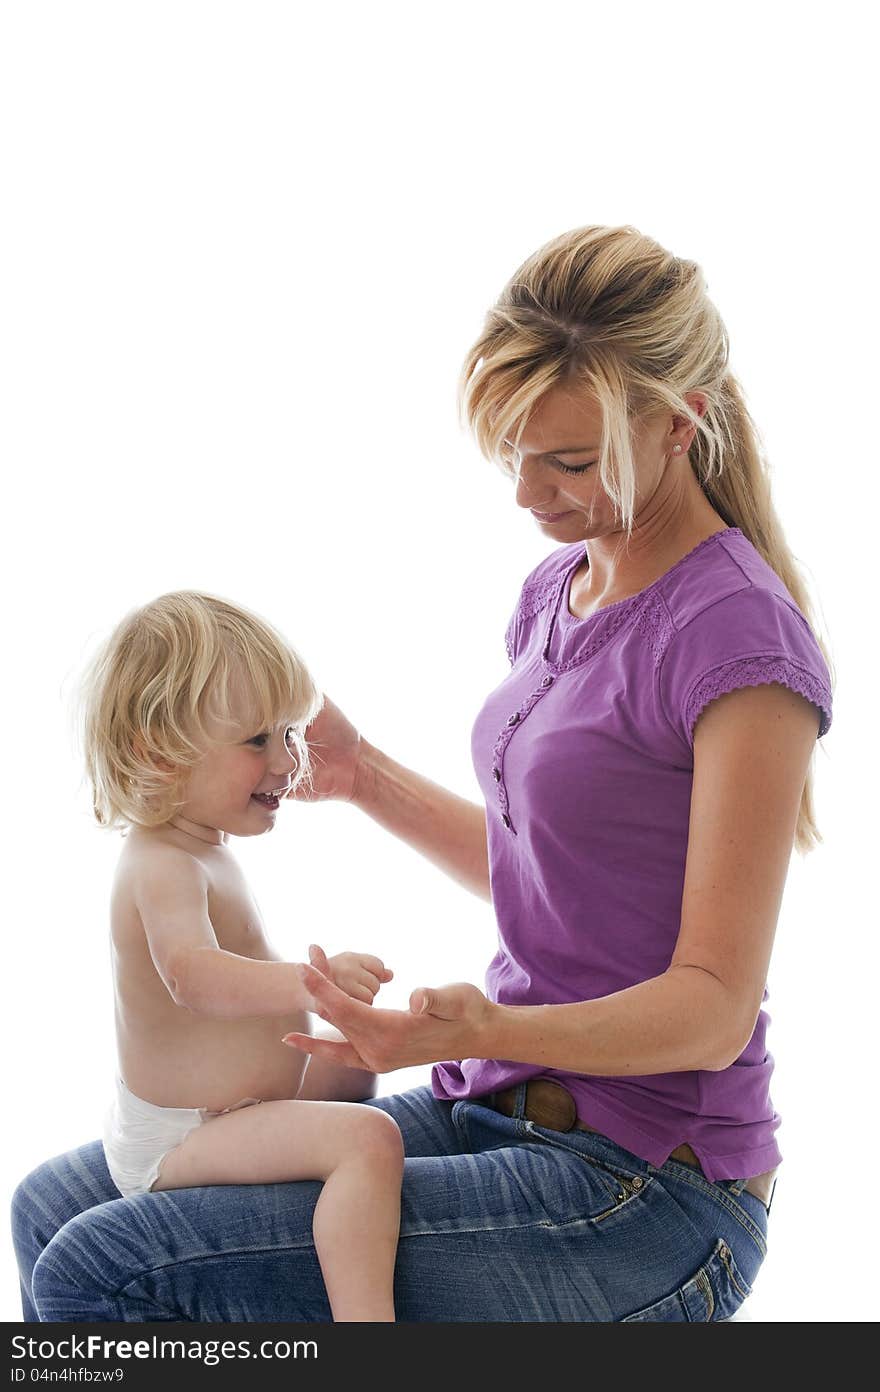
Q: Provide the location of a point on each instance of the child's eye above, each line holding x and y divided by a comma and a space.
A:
258, 740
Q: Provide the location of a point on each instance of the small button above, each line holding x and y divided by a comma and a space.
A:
496, 774
724, 1250
548, 681
636, 1182
505, 819
513, 719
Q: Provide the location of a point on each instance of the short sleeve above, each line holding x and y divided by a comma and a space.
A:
748, 638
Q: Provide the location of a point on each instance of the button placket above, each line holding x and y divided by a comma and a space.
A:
514, 720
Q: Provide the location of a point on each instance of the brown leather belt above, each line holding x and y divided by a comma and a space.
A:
550, 1104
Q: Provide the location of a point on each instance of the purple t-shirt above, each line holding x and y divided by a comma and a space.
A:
584, 754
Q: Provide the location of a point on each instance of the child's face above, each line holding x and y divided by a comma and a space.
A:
230, 789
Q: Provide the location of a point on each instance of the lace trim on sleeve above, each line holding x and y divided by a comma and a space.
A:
758, 671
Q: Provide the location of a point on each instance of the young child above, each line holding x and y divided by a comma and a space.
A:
194, 720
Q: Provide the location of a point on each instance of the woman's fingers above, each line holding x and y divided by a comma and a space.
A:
442, 1022
334, 1005
444, 1002
342, 1053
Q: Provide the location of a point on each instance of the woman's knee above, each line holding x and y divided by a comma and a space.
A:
55, 1192
63, 1276
24, 1208
37, 1199
45, 1200
82, 1274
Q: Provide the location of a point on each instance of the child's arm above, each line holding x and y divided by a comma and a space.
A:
171, 896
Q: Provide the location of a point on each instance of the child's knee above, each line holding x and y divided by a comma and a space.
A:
380, 1140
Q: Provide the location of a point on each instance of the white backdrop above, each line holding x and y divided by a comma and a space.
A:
245, 247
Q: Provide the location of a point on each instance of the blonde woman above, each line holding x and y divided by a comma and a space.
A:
598, 1140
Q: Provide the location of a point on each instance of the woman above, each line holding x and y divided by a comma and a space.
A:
598, 1140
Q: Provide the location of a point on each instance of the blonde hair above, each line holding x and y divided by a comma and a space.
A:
168, 670
611, 310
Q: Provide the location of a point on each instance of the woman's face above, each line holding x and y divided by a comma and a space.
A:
559, 474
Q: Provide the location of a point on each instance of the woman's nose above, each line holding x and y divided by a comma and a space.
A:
529, 487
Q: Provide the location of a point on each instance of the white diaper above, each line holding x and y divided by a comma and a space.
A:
138, 1135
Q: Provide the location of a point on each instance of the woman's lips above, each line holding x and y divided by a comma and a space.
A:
549, 516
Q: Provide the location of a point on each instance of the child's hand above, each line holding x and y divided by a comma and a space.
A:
356, 973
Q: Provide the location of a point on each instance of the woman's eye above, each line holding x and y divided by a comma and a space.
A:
577, 469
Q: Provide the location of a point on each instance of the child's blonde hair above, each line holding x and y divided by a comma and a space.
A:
168, 670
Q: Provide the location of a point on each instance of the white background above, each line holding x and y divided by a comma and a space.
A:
246, 247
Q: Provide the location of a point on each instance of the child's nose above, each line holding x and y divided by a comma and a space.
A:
284, 758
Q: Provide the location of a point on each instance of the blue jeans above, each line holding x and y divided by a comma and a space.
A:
501, 1220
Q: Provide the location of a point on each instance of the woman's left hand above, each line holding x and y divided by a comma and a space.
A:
446, 1022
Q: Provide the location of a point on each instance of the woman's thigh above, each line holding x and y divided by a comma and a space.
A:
572, 1227
500, 1221
76, 1183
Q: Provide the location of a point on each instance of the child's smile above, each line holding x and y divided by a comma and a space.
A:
237, 786
271, 800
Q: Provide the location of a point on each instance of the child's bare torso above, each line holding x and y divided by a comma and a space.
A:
167, 1054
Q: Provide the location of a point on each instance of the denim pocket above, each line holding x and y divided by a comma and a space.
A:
619, 1183
714, 1292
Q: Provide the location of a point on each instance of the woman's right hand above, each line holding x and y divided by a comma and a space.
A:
334, 752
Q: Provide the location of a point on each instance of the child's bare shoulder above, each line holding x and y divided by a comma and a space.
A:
149, 858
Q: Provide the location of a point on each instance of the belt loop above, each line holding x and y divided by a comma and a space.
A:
738, 1185
519, 1104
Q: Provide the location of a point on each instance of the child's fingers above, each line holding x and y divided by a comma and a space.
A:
373, 964
369, 982
375, 979
361, 993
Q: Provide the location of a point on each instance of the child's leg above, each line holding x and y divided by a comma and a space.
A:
356, 1150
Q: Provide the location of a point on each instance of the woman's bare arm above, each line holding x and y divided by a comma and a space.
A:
675, 1022
751, 754
447, 829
